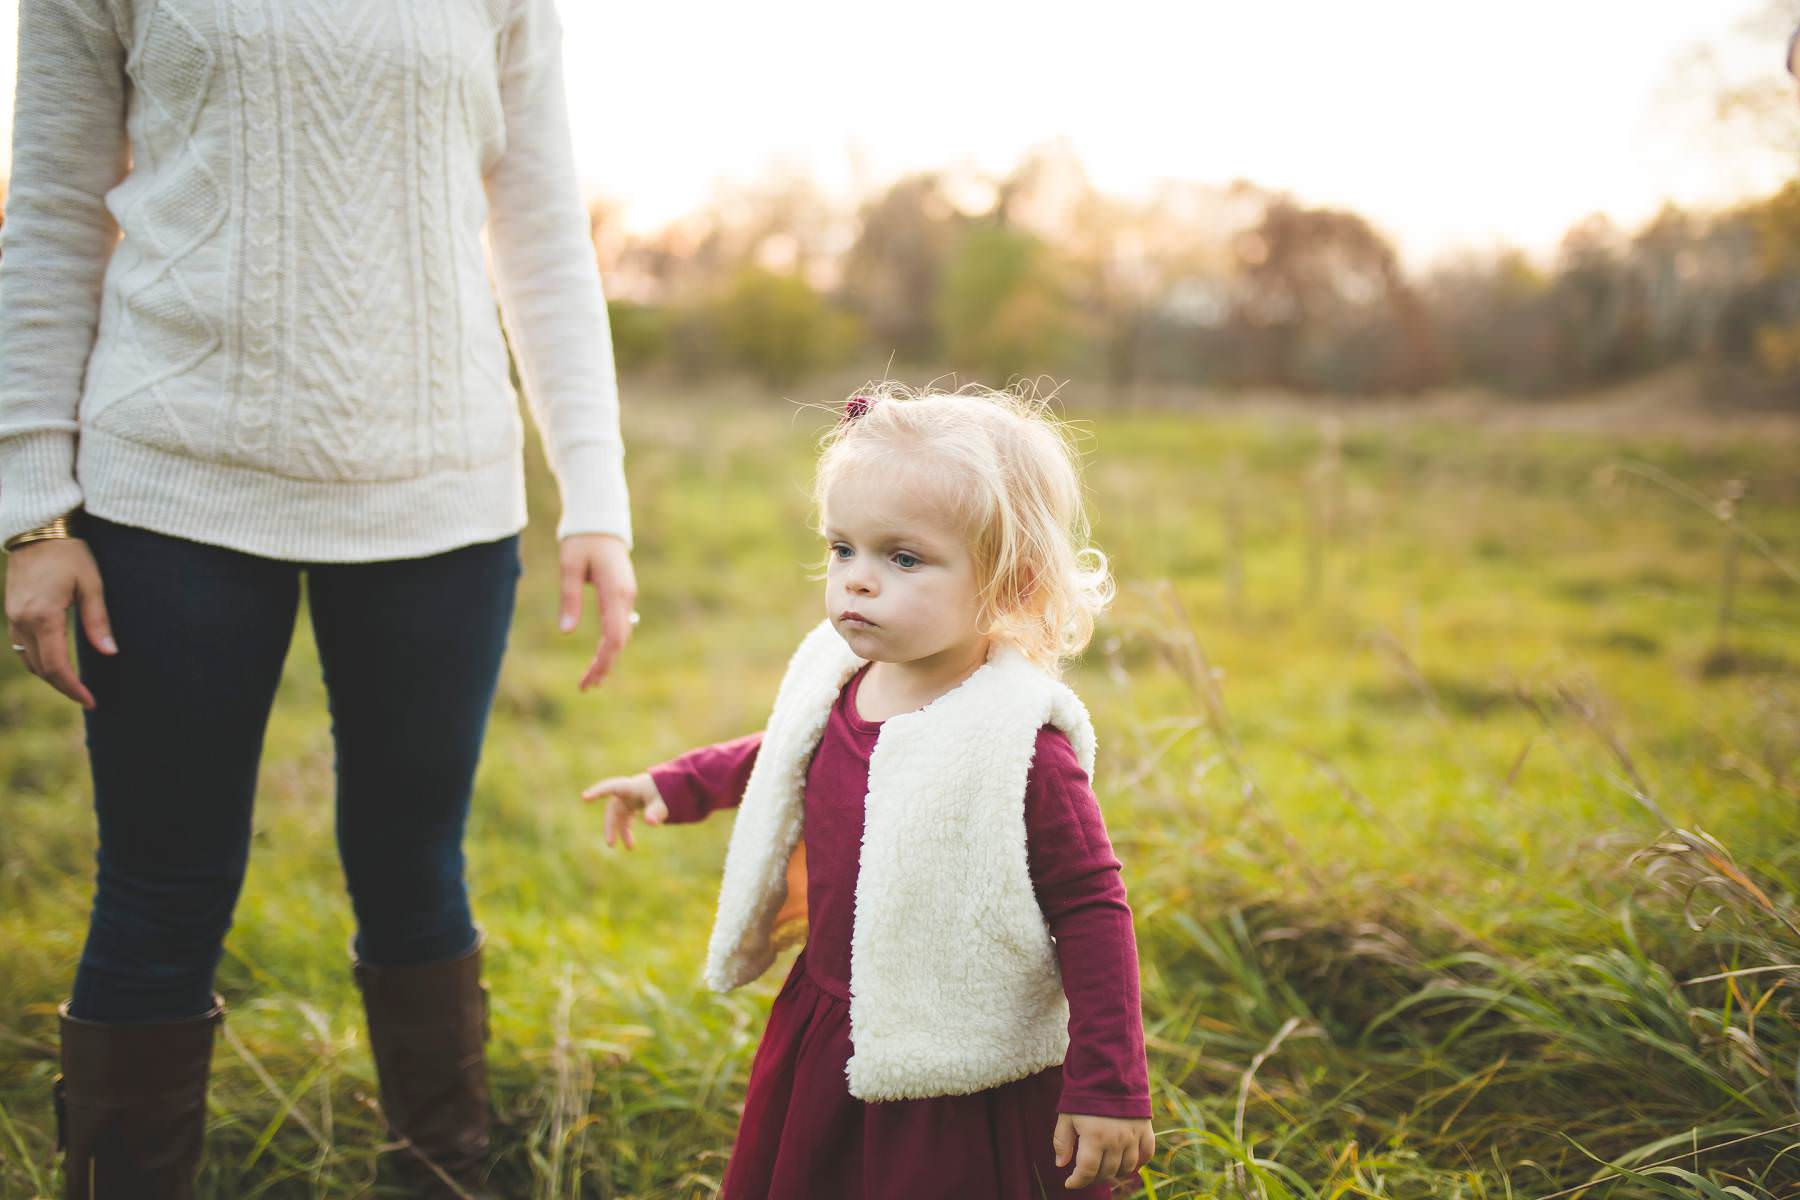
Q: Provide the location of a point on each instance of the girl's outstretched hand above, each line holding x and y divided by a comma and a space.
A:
625, 795
1102, 1147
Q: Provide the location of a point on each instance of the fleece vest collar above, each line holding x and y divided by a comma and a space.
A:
954, 985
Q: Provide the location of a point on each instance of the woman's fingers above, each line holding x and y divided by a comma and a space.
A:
615, 626
605, 650
604, 560
42, 582
48, 647
92, 601
574, 574
28, 655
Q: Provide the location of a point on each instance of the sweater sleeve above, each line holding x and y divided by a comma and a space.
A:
69, 149
542, 257
1077, 880
706, 779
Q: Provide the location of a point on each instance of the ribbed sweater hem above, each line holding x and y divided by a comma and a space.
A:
298, 520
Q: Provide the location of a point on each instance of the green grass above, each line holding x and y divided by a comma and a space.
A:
1389, 805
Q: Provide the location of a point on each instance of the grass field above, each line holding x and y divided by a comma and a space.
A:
1440, 793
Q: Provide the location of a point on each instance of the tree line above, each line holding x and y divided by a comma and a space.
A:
1233, 286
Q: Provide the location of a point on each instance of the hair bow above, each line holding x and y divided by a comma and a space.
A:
855, 407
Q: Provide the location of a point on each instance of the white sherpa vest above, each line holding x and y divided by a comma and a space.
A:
954, 985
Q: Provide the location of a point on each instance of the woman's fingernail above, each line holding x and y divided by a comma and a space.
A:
568, 622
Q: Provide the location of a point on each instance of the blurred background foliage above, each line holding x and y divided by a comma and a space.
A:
1222, 286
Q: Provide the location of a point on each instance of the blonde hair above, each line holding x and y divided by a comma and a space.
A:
1012, 478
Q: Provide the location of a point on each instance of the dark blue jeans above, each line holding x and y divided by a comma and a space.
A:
411, 652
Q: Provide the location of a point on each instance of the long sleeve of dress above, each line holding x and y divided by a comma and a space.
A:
707, 778
548, 282
1077, 879
69, 149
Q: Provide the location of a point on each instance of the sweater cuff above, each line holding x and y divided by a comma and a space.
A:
679, 796
1101, 1104
591, 479
37, 480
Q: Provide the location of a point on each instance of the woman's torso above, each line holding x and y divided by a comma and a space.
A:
300, 287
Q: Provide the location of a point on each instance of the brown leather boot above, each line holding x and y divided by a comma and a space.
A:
131, 1105
428, 1034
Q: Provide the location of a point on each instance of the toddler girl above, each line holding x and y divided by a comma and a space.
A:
963, 1018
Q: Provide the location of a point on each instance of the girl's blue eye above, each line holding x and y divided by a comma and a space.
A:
835, 549
904, 554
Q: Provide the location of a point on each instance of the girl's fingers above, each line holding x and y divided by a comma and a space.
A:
614, 786
1087, 1164
1109, 1163
1064, 1141
618, 819
1146, 1146
625, 795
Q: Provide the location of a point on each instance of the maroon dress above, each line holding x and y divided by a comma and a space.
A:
803, 1136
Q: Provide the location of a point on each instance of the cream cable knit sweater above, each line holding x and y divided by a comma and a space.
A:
293, 349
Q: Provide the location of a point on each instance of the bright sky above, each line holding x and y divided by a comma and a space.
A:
1448, 124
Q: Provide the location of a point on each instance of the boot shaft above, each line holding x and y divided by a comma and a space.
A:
428, 1032
131, 1105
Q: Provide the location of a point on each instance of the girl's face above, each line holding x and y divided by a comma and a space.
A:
900, 583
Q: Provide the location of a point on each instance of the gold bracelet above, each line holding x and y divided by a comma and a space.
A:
58, 528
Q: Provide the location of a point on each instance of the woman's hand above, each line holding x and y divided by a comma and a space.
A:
1103, 1147
42, 580
628, 794
605, 561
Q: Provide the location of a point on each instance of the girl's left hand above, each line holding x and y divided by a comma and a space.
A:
1102, 1147
603, 560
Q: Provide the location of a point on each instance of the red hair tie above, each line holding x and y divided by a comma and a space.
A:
855, 407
